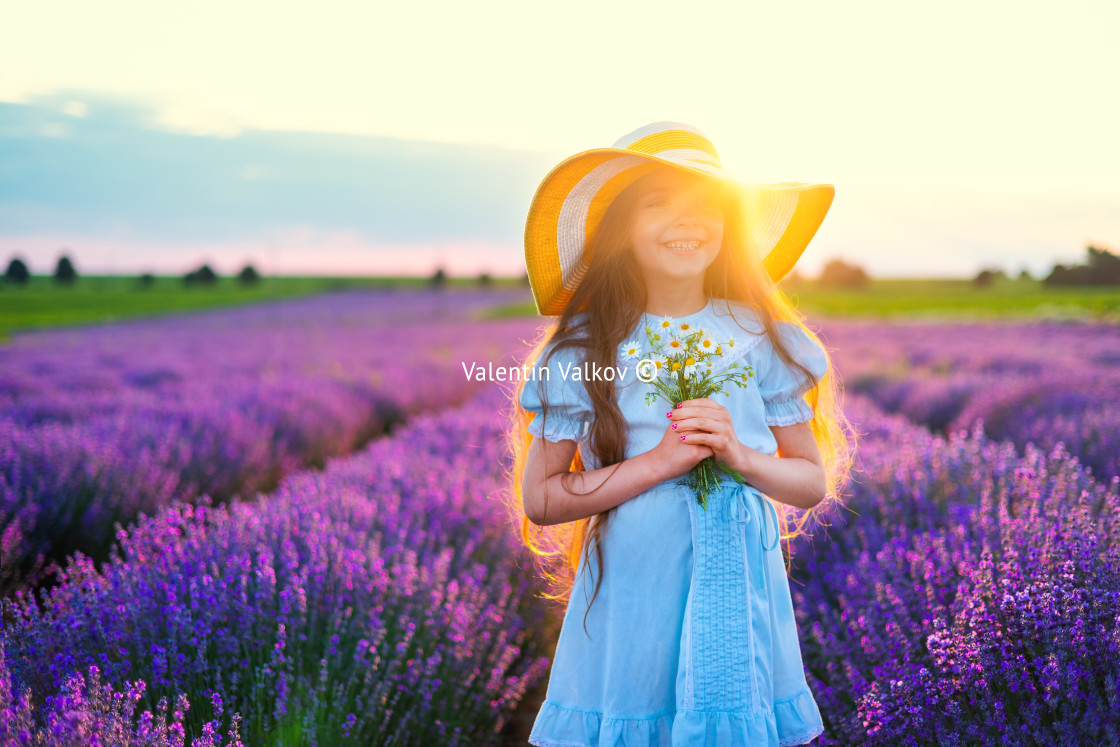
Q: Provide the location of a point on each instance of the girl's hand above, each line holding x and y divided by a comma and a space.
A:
677, 457
704, 421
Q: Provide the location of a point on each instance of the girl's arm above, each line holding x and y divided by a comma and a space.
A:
795, 475
628, 478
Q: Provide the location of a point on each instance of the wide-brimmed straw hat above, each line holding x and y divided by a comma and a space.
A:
781, 218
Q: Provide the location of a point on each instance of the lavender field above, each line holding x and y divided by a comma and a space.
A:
103, 423
281, 579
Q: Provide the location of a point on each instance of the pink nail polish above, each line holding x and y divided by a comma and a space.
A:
674, 426
669, 414
679, 404
682, 438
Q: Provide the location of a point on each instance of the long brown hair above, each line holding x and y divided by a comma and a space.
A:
614, 294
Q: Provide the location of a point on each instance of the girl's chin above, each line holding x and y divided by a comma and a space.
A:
681, 272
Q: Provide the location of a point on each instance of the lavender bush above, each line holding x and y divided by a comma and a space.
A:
95, 714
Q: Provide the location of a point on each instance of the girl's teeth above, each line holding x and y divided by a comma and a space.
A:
682, 244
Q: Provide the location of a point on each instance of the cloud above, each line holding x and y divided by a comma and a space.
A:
115, 165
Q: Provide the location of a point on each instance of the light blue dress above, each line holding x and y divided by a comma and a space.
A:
692, 638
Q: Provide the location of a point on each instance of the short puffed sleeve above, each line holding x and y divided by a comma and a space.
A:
569, 406
783, 387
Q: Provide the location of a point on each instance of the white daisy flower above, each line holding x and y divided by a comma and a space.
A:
630, 349
674, 347
689, 366
706, 345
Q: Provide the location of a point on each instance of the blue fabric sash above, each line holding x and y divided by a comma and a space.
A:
729, 591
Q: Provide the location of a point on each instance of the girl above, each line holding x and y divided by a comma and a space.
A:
682, 632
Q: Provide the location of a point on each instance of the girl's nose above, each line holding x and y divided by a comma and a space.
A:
687, 217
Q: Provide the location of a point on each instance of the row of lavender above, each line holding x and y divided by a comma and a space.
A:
99, 424
1037, 382
380, 601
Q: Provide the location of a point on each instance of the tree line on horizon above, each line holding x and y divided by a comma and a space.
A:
1102, 267
65, 274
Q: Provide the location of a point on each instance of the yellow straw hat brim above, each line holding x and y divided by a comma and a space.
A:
781, 218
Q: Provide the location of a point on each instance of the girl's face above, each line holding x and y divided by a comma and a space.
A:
677, 228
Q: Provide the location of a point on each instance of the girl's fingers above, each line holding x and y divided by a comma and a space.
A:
720, 413
680, 430
697, 438
704, 403
683, 427
698, 402
700, 423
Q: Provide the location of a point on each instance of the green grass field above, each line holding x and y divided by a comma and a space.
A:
93, 299
943, 299
961, 299
41, 303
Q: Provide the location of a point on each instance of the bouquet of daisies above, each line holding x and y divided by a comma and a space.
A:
679, 367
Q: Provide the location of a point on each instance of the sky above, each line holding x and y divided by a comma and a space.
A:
367, 138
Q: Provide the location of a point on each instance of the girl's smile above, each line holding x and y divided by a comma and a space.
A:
683, 247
